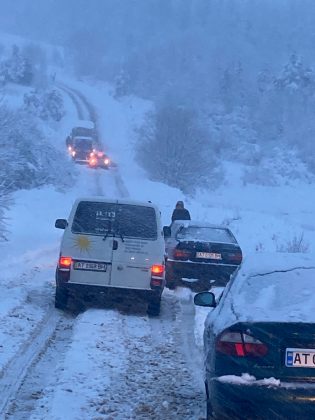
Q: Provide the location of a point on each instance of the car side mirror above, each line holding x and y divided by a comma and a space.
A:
61, 223
205, 299
166, 231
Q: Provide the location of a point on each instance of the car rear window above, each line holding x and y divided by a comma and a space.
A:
97, 218
83, 144
82, 131
205, 234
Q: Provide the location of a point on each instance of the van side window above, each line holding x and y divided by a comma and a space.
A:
99, 218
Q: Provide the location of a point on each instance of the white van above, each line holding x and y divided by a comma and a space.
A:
113, 247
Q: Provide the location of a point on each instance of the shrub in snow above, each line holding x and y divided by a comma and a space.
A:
174, 148
295, 245
47, 106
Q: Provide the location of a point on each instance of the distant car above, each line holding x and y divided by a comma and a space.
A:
81, 149
259, 341
200, 255
98, 159
81, 129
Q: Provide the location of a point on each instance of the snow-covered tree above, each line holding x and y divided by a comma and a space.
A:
174, 148
18, 68
27, 159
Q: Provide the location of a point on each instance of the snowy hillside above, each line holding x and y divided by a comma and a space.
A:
261, 217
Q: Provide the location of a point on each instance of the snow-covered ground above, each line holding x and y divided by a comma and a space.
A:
106, 364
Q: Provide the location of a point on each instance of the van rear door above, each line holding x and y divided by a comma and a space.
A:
90, 243
137, 247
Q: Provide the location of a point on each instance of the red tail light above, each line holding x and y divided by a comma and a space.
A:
240, 344
157, 275
65, 262
157, 270
181, 254
235, 257
93, 162
106, 161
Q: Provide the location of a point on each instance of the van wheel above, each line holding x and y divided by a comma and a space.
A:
154, 307
61, 298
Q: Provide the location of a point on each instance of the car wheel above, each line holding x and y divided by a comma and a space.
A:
154, 307
61, 298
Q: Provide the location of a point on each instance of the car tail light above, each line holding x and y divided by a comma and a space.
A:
93, 162
240, 344
91, 154
65, 262
73, 153
235, 257
69, 148
157, 275
181, 254
100, 154
106, 161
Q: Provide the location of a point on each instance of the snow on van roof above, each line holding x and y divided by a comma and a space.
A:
270, 287
84, 124
116, 200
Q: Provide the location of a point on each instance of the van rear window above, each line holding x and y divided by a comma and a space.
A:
97, 218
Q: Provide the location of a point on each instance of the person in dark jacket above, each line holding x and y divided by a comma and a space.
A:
180, 213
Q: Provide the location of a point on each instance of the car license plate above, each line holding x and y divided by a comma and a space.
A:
92, 266
300, 358
209, 255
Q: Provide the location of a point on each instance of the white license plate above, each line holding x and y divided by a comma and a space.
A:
209, 255
92, 266
300, 358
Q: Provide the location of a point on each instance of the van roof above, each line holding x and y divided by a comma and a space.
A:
116, 200
84, 124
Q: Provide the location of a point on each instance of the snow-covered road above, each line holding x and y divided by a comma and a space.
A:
100, 364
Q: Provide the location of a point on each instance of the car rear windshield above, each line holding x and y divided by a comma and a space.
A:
82, 131
83, 144
124, 220
205, 234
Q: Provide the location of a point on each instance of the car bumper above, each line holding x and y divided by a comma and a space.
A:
252, 401
213, 274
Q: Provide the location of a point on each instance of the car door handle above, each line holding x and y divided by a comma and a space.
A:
115, 244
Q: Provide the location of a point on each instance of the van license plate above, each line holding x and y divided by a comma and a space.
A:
89, 266
300, 358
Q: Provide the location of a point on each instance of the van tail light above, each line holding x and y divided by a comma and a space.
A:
235, 257
181, 254
157, 275
65, 263
240, 344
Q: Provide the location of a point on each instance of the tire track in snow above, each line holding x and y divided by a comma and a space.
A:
17, 369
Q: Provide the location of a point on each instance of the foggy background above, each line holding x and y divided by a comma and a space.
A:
241, 70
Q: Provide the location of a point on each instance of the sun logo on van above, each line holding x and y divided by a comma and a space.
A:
83, 243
